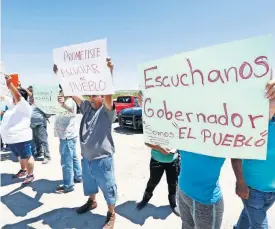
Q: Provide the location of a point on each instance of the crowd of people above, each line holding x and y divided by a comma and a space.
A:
193, 179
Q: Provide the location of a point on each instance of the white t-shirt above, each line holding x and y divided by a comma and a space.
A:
16, 123
65, 123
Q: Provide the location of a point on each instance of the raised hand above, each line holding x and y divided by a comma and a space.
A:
110, 64
61, 99
270, 89
55, 68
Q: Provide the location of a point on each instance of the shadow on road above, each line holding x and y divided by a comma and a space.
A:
128, 210
6, 179
5, 156
60, 219
21, 204
8, 156
127, 131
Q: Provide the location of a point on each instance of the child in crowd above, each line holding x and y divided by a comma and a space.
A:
162, 160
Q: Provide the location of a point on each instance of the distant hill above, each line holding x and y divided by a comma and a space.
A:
126, 91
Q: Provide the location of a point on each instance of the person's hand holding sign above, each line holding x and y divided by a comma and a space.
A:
110, 64
270, 94
55, 69
61, 99
163, 150
270, 89
8, 79
108, 99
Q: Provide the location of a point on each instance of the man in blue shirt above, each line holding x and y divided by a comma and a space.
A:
256, 180
200, 197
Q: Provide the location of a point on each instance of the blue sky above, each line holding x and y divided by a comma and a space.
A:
137, 31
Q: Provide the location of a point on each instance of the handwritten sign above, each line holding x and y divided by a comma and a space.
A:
45, 98
83, 69
210, 101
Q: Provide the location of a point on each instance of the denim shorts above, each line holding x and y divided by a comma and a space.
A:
100, 174
22, 149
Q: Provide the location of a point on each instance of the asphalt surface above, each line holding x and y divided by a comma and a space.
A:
37, 206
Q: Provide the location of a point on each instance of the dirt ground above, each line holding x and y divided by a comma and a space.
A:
37, 206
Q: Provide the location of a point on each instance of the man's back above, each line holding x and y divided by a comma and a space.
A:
38, 117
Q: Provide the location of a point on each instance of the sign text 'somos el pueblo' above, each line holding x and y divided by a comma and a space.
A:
210, 101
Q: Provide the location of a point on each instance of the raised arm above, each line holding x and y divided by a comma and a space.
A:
108, 99
61, 100
28, 92
14, 92
78, 99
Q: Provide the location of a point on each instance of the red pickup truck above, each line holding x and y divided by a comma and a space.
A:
125, 101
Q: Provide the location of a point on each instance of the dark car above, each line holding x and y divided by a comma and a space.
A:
131, 118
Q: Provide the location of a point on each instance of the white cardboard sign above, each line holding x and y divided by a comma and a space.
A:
210, 101
82, 69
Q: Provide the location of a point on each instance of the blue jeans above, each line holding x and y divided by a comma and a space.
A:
71, 168
254, 215
100, 174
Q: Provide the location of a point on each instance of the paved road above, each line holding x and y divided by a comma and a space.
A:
37, 206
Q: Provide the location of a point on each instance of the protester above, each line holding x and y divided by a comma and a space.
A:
4, 108
256, 179
39, 128
162, 160
17, 133
24, 92
30, 93
66, 130
200, 199
97, 148
40, 145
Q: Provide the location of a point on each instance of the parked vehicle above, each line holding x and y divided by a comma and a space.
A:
131, 118
125, 101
